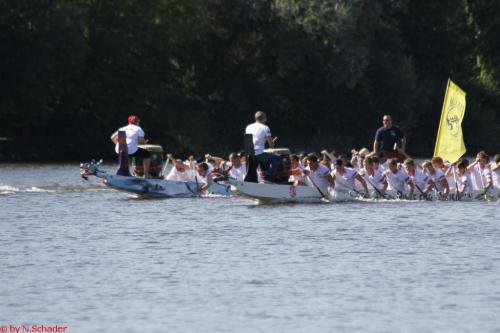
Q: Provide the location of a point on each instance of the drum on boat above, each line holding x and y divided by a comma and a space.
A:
155, 169
285, 165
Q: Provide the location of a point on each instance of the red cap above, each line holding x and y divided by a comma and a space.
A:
133, 119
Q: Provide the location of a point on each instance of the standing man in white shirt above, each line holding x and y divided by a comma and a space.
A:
135, 137
262, 134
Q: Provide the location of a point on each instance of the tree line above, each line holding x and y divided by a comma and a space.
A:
325, 71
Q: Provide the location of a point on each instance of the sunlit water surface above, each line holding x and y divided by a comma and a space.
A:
79, 254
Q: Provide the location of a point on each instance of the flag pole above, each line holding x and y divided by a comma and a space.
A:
442, 115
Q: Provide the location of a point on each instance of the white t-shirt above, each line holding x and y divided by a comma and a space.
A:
397, 181
475, 175
465, 180
133, 133
420, 179
260, 133
346, 180
438, 177
382, 167
487, 175
300, 177
238, 173
203, 180
181, 176
496, 177
377, 178
319, 176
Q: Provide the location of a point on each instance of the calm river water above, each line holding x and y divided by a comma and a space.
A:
77, 254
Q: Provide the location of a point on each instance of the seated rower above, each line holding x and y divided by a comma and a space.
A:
203, 176
464, 183
398, 179
333, 156
219, 162
358, 157
235, 168
296, 171
438, 163
327, 163
446, 168
438, 177
379, 163
180, 171
495, 172
483, 163
422, 182
318, 174
345, 177
477, 170
376, 181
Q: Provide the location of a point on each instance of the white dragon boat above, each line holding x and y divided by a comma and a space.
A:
156, 188
288, 193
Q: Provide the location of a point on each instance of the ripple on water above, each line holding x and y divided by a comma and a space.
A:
79, 253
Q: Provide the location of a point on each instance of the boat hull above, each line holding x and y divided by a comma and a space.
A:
162, 188
155, 188
276, 192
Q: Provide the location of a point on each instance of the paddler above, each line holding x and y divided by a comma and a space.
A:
296, 171
203, 176
464, 182
180, 171
480, 170
422, 182
373, 177
235, 168
438, 177
318, 174
345, 177
398, 179
495, 172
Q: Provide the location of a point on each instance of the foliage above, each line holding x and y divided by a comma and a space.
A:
195, 72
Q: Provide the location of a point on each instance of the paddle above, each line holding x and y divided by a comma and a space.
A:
375, 188
189, 188
165, 168
349, 187
485, 190
421, 192
456, 182
197, 185
317, 187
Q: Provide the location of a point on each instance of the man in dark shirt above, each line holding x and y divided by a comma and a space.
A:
388, 138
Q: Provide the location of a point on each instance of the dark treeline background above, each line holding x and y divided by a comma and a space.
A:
196, 71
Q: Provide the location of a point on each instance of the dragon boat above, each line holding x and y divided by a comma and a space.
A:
150, 188
156, 187
284, 191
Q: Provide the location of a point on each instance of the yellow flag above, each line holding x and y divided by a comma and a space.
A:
450, 141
